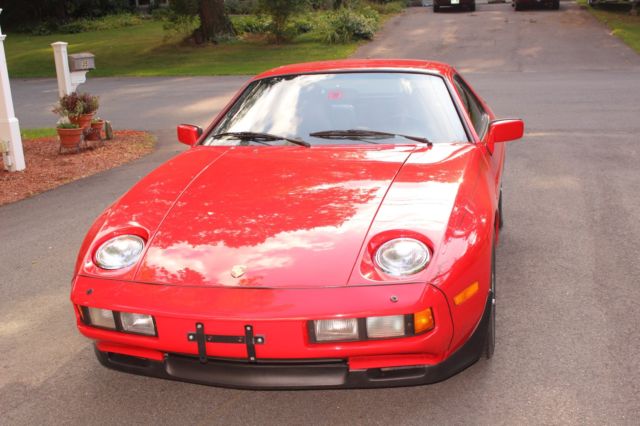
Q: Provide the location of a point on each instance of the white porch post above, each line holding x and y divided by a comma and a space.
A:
9, 127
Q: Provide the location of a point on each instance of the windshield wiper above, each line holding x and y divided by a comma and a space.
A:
257, 136
356, 133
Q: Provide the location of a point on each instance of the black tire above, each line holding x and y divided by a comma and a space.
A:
518, 6
500, 216
556, 5
490, 342
436, 8
472, 7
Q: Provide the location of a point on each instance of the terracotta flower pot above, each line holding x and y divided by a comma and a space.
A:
82, 120
70, 138
95, 133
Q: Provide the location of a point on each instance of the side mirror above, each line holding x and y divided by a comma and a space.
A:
189, 134
504, 131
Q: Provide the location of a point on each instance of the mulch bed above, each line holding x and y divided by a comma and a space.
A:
46, 169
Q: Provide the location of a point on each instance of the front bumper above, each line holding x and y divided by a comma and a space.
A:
298, 374
284, 357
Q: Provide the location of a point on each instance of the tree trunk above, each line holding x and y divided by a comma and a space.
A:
214, 22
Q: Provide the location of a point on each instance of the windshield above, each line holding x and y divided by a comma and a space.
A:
319, 108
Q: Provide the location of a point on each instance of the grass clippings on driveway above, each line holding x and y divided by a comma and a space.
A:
622, 24
46, 169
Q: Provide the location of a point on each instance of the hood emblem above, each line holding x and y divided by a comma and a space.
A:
238, 270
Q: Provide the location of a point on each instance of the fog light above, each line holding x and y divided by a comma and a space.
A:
390, 326
336, 329
138, 323
100, 318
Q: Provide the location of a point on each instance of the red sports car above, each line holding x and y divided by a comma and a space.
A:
334, 226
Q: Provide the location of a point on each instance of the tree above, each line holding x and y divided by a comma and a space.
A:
214, 21
18, 15
280, 11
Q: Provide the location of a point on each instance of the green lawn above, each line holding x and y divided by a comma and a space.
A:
142, 51
37, 133
622, 24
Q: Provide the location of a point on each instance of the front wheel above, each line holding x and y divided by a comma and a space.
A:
556, 4
472, 7
518, 6
436, 8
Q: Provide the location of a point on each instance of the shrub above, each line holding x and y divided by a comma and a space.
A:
108, 22
280, 11
180, 25
241, 7
250, 24
301, 24
346, 25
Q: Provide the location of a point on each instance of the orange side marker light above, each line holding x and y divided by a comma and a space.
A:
466, 294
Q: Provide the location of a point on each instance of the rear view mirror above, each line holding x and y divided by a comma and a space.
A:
505, 130
189, 134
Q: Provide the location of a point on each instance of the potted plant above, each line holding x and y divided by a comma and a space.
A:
90, 104
80, 108
95, 133
70, 134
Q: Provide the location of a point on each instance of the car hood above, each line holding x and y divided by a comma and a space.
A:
281, 217
272, 217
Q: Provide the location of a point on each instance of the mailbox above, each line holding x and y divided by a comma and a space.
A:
82, 62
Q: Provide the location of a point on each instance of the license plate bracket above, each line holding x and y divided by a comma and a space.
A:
250, 340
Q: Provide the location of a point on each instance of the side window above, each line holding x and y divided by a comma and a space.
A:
479, 117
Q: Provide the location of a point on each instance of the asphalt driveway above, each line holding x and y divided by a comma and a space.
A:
568, 272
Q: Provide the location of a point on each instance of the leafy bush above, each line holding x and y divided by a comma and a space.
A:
241, 7
180, 25
346, 25
322, 4
258, 24
280, 11
29, 16
250, 24
108, 22
301, 24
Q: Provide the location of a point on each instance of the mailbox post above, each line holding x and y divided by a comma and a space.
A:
10, 139
71, 69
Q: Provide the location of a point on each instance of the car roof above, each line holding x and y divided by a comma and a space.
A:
359, 65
